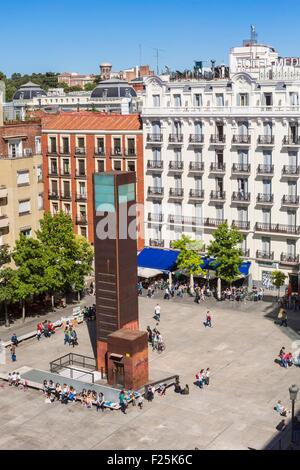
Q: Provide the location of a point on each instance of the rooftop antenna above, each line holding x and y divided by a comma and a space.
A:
140, 54
157, 51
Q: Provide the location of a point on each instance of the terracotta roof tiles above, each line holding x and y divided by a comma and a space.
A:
92, 121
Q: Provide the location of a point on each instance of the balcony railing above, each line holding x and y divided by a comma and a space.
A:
99, 151
155, 217
292, 200
266, 139
66, 172
52, 150
116, 152
209, 222
154, 138
53, 172
196, 138
155, 191
80, 173
265, 169
241, 168
81, 220
197, 193
185, 220
196, 166
175, 165
291, 170
265, 198
240, 196
80, 150
176, 138
155, 165
241, 139
156, 242
81, 197
130, 152
53, 195
176, 192
245, 252
217, 139
277, 228
218, 167
65, 195
218, 195
65, 151
289, 259
241, 224
291, 140
265, 255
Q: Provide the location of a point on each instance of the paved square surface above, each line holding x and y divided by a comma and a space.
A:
234, 412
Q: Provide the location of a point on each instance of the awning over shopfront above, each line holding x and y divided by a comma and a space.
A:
146, 273
165, 261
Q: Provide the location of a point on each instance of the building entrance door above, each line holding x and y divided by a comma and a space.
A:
119, 374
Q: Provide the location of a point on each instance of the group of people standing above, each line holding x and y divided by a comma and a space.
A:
70, 336
202, 377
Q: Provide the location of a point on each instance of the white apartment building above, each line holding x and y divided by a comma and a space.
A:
227, 149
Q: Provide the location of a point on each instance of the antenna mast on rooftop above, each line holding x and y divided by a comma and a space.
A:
157, 51
253, 35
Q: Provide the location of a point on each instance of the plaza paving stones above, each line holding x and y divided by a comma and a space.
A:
234, 412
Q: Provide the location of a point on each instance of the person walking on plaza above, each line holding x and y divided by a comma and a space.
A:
122, 401
14, 340
208, 319
13, 353
157, 312
66, 336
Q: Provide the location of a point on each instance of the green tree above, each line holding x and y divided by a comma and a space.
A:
224, 248
29, 280
278, 279
6, 273
68, 258
89, 86
189, 259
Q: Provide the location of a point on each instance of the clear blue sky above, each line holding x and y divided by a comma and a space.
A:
73, 35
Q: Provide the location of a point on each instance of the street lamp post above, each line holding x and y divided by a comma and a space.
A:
293, 397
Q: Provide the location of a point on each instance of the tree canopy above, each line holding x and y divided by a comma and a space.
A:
189, 259
224, 248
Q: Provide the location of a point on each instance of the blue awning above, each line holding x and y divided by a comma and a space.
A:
156, 258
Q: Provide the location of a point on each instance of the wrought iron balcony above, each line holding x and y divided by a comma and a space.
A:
155, 217
116, 152
196, 166
80, 173
263, 198
241, 224
291, 170
217, 167
209, 222
81, 220
131, 152
240, 196
176, 165
176, 138
155, 242
287, 258
81, 197
53, 172
66, 195
65, 151
290, 200
245, 252
66, 172
176, 192
196, 193
185, 220
265, 169
53, 195
241, 168
155, 191
291, 140
265, 139
265, 255
196, 138
52, 150
154, 138
277, 228
155, 165
241, 139
99, 151
80, 150
218, 195
217, 139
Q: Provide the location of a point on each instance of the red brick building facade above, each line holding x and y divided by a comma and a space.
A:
76, 145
